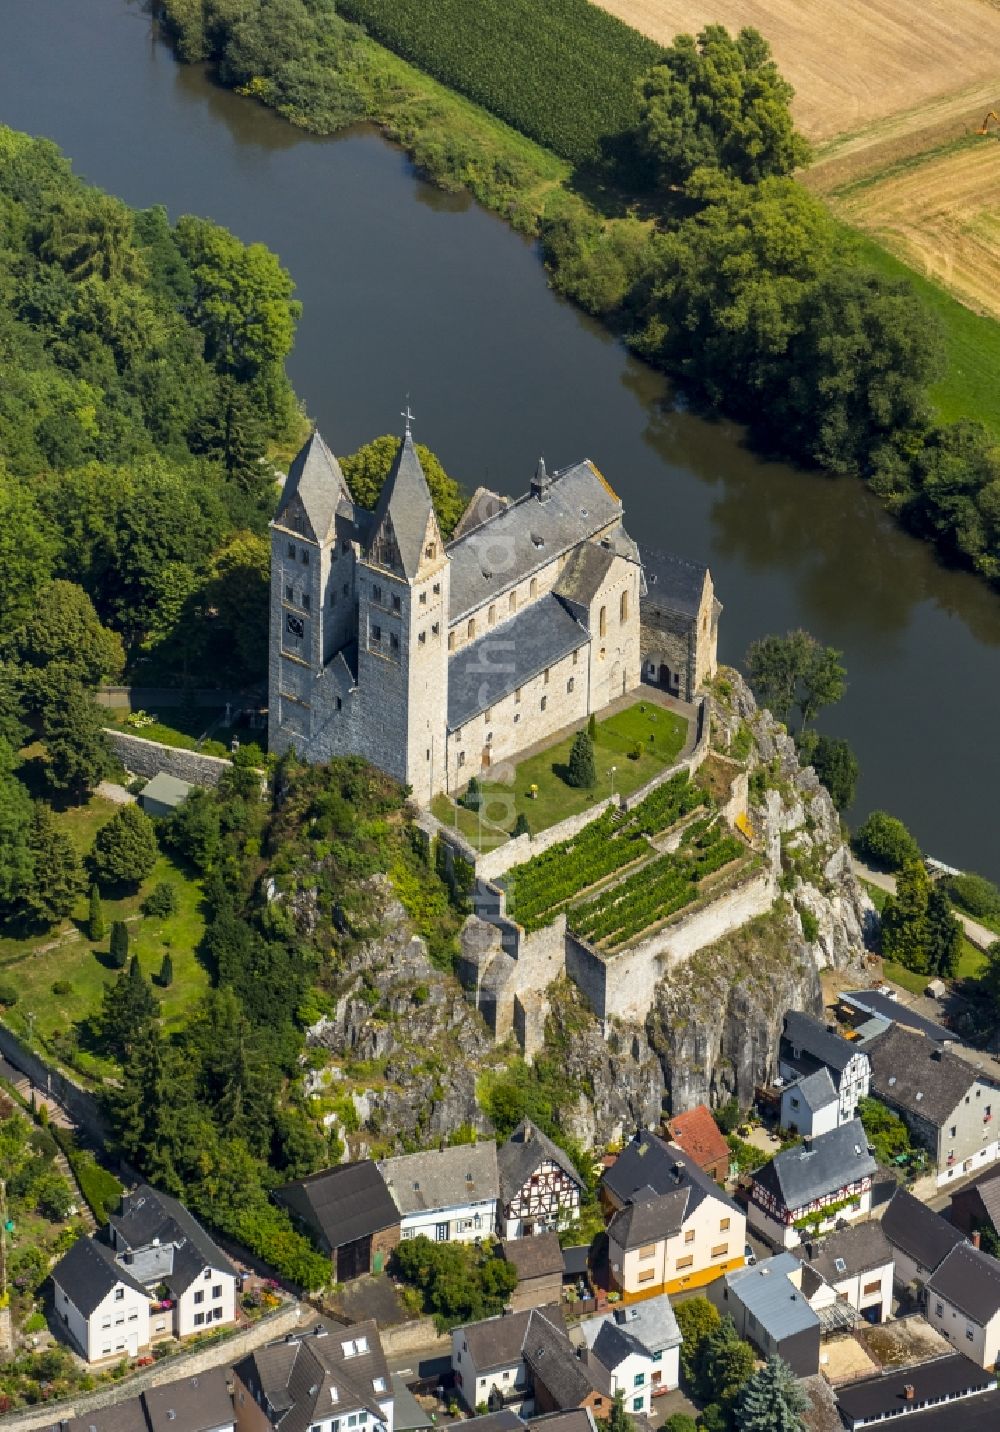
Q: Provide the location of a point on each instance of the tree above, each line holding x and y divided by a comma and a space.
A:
194, 829
57, 876
989, 976
618, 1419
64, 629
366, 470
28, 547
119, 944
794, 670
95, 916
944, 935
719, 102
239, 591
124, 849
905, 934
582, 769
834, 763
521, 826
771, 1400
888, 1134
166, 976
697, 1319
680, 1422
128, 1013
77, 754
161, 901
884, 841
16, 815
724, 1364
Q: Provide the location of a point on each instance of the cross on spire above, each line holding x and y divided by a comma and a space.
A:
406, 415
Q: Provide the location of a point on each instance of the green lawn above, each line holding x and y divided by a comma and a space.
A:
183, 728
660, 735
969, 388
65, 954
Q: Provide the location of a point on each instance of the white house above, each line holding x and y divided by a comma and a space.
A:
963, 1303
489, 1359
808, 1045
806, 1190
810, 1105
540, 1190
920, 1238
639, 1348
325, 1380
100, 1305
449, 1195
851, 1267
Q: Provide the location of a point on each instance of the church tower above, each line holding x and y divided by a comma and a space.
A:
403, 596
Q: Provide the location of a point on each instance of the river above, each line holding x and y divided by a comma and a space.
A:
408, 291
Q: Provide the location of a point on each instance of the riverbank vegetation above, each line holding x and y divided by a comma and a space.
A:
693, 241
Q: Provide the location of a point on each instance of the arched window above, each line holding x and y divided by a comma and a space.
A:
470, 630
512, 602
602, 622
492, 615
624, 607
533, 589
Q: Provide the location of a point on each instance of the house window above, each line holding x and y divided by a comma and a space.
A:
533, 587
289, 594
436, 629
305, 557
602, 622
545, 702
685, 1262
939, 1310
870, 1288
545, 678
199, 1296
491, 615
396, 604
216, 1290
422, 638
646, 1275
441, 1232
512, 602
487, 714
570, 684
639, 1379
199, 1320
430, 550
451, 641
637, 1404
291, 550
119, 1295
437, 589
969, 1332
306, 600
376, 592
376, 633
689, 1235
720, 1250
953, 1131
423, 599
647, 1251
624, 607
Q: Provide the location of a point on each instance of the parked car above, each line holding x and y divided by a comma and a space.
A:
749, 1256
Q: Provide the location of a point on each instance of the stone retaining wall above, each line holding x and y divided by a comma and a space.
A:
81, 1106
418, 1336
187, 1364
504, 857
148, 758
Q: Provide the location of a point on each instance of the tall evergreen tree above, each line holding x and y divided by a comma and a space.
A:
904, 919
57, 876
944, 934
125, 848
119, 944
771, 1401
77, 754
582, 770
96, 926
128, 1012
166, 975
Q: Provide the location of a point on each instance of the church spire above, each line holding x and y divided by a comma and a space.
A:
404, 520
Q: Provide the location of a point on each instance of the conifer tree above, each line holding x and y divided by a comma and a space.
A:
582, 771
944, 934
904, 919
119, 944
57, 877
771, 1400
128, 1011
96, 926
166, 977
521, 826
592, 725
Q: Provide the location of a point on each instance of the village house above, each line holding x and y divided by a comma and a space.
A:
329, 1379
639, 1347
976, 1206
920, 1239
448, 1195
201, 1403
949, 1106
351, 1215
807, 1045
562, 1376
674, 1228
538, 1262
808, 1189
767, 1304
540, 1189
700, 1137
810, 1105
963, 1303
156, 1274
489, 1358
930, 1389
849, 1268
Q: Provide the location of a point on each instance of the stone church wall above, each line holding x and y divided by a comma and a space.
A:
148, 758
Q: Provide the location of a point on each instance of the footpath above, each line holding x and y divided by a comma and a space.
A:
975, 933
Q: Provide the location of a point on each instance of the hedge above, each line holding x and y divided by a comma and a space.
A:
563, 72
100, 1188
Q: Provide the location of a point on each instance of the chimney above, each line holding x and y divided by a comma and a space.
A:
529, 1132
975, 1238
909, 1392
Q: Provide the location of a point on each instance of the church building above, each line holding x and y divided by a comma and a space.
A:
437, 661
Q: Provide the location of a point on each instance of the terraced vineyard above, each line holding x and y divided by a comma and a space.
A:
662, 884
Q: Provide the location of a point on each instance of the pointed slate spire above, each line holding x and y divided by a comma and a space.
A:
313, 489
541, 481
404, 514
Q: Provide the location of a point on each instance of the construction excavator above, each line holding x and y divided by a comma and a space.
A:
984, 128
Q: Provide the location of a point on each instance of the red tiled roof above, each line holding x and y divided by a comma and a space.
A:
697, 1133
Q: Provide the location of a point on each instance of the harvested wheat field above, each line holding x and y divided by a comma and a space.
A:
939, 213
852, 62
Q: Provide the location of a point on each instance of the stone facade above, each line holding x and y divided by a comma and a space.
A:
438, 662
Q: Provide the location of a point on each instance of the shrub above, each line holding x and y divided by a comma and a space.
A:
161, 901
521, 826
582, 771
810, 925
473, 797
95, 917
61, 987
35, 1324
125, 848
885, 841
99, 1187
974, 894
8, 992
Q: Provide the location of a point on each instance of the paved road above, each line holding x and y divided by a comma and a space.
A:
976, 934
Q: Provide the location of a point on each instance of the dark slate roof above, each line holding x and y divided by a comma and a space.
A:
528, 535
970, 1279
673, 582
88, 1272
407, 1414
980, 1413
148, 1215
585, 573
816, 1089
553, 1361
344, 1203
988, 1189
812, 1036
192, 1404
314, 491
573, 1419
831, 1161
442, 1178
536, 1257
506, 656
885, 1395
860, 1248
127, 1416
874, 1001
917, 1230
648, 1164
576, 1260
649, 1217
405, 500
484, 504
506, 1420
499, 1342
523, 1154
299, 1375
917, 1075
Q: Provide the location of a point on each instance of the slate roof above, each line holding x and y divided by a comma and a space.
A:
146, 1215
970, 1279
528, 535
484, 504
576, 1260
537, 1257
508, 655
553, 1361
506, 1420
192, 1404
876, 1002
988, 1189
917, 1075
860, 1248
767, 1291
165, 788
405, 500
407, 1414
648, 1164
585, 573
127, 1416
298, 1376
573, 1419
344, 1203
697, 1133
647, 1327
800, 1175
815, 1090
673, 582
917, 1230
523, 1154
811, 1035
885, 1395
313, 492
88, 1272
651, 1217
442, 1178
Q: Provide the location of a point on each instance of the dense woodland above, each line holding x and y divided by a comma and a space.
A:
684, 230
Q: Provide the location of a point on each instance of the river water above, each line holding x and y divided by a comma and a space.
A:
407, 291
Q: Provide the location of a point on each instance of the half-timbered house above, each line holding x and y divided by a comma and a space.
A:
810, 1188
540, 1190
